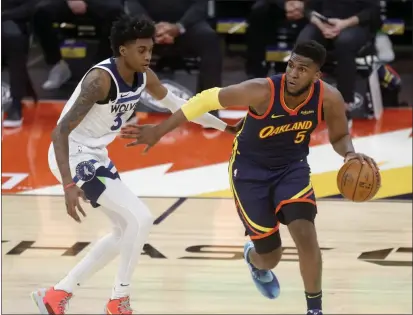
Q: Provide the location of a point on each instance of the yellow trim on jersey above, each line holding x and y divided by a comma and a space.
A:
302, 192
230, 171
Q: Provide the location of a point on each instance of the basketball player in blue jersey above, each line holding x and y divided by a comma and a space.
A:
102, 102
268, 170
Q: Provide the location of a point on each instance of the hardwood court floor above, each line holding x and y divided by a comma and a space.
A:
195, 263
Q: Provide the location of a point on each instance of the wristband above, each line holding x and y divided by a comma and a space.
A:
68, 186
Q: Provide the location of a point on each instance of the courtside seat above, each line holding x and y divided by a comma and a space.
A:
231, 26
78, 46
166, 58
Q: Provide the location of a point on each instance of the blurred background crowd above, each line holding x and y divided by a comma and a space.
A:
47, 45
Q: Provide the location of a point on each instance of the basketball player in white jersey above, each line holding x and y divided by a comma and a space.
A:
102, 102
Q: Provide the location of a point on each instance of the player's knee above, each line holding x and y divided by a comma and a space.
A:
117, 233
147, 218
269, 250
270, 260
141, 215
304, 234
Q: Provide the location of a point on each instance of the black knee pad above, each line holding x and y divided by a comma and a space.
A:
267, 244
296, 211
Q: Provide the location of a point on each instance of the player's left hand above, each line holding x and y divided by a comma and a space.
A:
231, 129
234, 129
144, 134
363, 159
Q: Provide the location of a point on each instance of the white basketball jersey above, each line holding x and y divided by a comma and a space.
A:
102, 123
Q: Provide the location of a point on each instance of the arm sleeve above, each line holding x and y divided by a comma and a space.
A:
174, 103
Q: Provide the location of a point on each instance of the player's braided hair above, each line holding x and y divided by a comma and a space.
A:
313, 50
129, 28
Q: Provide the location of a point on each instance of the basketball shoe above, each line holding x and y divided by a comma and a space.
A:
51, 301
265, 280
119, 306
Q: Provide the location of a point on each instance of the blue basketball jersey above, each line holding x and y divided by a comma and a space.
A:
281, 135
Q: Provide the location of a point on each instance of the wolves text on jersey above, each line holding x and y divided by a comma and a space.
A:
122, 108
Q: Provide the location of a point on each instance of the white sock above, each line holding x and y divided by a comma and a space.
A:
66, 284
120, 290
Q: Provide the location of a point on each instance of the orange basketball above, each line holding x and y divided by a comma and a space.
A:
358, 182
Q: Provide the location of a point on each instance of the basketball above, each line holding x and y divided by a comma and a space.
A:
358, 182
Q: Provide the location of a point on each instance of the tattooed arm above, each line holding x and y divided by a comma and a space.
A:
95, 87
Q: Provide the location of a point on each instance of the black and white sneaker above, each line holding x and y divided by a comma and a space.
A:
14, 120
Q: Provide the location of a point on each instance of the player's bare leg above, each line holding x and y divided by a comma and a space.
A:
304, 235
265, 261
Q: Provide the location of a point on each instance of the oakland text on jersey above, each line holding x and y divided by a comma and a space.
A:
269, 131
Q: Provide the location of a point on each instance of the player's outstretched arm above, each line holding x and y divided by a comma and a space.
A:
335, 117
253, 93
172, 102
248, 93
95, 87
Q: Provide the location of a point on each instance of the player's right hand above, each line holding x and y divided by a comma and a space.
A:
144, 134
72, 195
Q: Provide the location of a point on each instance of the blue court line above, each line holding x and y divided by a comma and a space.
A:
169, 211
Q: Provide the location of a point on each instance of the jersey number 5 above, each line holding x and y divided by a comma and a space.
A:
117, 122
300, 136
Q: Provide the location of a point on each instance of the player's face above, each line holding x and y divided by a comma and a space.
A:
301, 72
138, 54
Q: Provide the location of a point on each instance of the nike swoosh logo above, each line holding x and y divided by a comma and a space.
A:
124, 95
124, 285
277, 116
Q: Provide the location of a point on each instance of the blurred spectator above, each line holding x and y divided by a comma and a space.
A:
15, 38
263, 21
351, 24
100, 12
183, 24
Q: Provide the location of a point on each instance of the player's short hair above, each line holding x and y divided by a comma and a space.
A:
312, 50
130, 28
